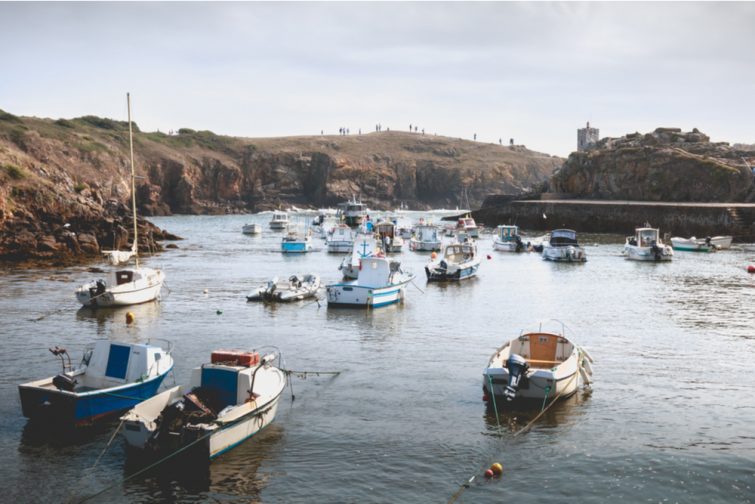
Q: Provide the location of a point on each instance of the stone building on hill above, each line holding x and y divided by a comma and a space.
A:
587, 137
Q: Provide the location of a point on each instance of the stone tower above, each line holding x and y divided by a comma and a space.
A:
587, 137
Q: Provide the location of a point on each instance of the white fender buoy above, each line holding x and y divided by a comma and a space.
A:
584, 376
586, 366
586, 353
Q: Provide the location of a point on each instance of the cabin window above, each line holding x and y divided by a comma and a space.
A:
117, 361
122, 277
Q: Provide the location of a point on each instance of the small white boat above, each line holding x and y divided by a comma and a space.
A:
425, 239
381, 282
646, 245
127, 286
389, 238
562, 246
707, 244
294, 243
507, 239
340, 239
297, 288
251, 229
364, 246
317, 226
538, 364
279, 220
468, 226
112, 377
229, 400
459, 261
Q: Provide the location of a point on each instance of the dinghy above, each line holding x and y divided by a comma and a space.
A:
251, 229
113, 376
707, 244
646, 245
562, 246
538, 364
459, 261
381, 282
297, 288
229, 400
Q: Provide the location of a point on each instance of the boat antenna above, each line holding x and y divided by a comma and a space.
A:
133, 179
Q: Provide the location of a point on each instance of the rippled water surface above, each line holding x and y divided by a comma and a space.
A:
671, 417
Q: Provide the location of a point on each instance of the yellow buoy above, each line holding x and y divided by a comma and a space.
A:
129, 318
497, 469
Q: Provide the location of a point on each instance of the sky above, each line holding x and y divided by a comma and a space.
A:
531, 71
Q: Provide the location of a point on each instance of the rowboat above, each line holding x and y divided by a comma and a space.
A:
251, 229
537, 364
113, 376
707, 244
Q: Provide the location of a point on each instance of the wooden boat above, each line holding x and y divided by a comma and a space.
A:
251, 229
229, 399
380, 283
279, 220
389, 237
562, 246
340, 239
113, 376
425, 239
459, 261
507, 239
129, 285
537, 364
297, 288
707, 244
646, 245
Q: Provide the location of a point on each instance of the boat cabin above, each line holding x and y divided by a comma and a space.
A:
385, 229
457, 253
279, 217
645, 237
341, 232
466, 223
376, 271
542, 350
563, 238
228, 380
507, 233
426, 233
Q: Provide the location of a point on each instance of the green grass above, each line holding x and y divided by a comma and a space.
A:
79, 186
13, 171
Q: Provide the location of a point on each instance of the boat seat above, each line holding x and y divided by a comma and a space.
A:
536, 363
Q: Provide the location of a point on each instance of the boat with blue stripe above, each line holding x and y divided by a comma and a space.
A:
294, 243
459, 262
380, 282
112, 377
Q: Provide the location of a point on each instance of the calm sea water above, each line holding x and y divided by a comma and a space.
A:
670, 417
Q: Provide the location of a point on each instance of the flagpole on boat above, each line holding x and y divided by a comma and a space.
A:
133, 179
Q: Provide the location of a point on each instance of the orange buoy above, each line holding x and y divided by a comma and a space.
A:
130, 318
434, 255
488, 473
497, 469
751, 268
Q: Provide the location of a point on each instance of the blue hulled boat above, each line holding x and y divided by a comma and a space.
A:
112, 377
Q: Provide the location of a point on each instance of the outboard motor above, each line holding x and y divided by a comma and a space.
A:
519, 244
517, 367
656, 250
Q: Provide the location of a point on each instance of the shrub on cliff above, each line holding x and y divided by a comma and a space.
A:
13, 171
105, 123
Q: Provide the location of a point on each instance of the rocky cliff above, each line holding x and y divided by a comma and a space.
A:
665, 165
77, 172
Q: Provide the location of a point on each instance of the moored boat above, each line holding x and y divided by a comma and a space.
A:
296, 243
468, 226
353, 212
562, 246
646, 245
279, 220
389, 237
340, 239
251, 229
459, 261
507, 239
364, 246
112, 377
297, 288
380, 282
707, 244
537, 364
229, 400
425, 238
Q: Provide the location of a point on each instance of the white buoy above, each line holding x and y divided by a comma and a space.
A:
205, 291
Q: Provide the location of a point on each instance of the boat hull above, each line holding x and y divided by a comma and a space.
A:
533, 386
507, 246
69, 408
564, 254
423, 246
356, 296
278, 225
340, 247
435, 274
138, 292
295, 247
635, 253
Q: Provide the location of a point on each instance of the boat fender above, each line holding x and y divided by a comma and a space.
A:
585, 377
751, 268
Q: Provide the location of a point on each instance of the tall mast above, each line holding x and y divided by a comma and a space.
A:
135, 246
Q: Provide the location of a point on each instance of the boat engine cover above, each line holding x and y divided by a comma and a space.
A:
64, 382
517, 366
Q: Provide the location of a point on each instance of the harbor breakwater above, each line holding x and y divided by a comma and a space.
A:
605, 216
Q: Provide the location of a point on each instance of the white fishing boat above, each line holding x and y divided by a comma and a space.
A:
425, 238
364, 246
538, 364
381, 282
251, 229
297, 288
468, 226
562, 246
126, 286
340, 239
507, 239
388, 236
352, 213
459, 261
112, 377
295, 242
646, 245
279, 220
228, 401
708, 244
317, 226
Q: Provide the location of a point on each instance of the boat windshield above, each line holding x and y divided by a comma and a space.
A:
560, 237
647, 236
506, 233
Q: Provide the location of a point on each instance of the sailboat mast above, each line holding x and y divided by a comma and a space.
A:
135, 246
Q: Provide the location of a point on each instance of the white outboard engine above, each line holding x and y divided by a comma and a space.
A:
517, 367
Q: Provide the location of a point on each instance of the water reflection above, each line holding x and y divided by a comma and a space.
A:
515, 416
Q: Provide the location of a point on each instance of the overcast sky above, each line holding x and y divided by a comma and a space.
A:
532, 71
